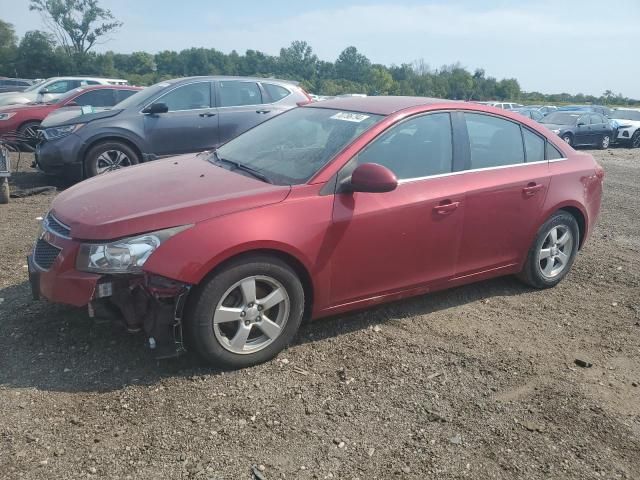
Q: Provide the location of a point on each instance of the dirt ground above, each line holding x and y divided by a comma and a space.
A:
477, 382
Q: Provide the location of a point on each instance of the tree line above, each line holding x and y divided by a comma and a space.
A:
40, 54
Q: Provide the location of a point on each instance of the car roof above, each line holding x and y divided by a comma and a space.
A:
230, 77
379, 105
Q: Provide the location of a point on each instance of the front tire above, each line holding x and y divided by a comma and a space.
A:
568, 139
635, 139
553, 252
605, 141
108, 156
29, 135
246, 313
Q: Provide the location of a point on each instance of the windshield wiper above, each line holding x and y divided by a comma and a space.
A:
240, 166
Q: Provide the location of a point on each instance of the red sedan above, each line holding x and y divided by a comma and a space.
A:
25, 119
331, 207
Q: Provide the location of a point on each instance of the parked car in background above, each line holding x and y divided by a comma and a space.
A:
169, 118
578, 128
532, 113
628, 131
606, 111
53, 88
543, 109
25, 120
14, 84
331, 207
503, 105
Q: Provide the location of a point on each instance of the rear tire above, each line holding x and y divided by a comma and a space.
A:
231, 322
108, 156
605, 141
552, 254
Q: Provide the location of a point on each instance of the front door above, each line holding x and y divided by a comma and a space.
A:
507, 182
190, 125
387, 242
583, 131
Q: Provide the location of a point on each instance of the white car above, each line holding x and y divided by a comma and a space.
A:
52, 88
628, 121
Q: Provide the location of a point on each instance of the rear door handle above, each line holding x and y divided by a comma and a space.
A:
208, 114
445, 208
263, 111
532, 188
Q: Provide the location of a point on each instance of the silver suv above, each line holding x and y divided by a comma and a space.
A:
52, 88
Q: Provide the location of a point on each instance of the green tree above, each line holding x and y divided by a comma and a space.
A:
8, 48
77, 24
36, 56
352, 65
298, 60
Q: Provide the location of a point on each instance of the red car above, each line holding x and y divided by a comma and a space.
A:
25, 119
327, 208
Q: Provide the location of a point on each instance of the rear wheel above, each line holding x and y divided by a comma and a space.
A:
635, 139
605, 141
568, 139
553, 251
245, 314
108, 156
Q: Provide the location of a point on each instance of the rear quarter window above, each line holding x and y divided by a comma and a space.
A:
276, 92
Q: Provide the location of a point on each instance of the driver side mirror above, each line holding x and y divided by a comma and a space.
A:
156, 108
581, 124
44, 91
372, 178
71, 104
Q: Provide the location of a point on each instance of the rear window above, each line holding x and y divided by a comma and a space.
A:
276, 92
534, 146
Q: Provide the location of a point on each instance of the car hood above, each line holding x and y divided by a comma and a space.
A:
162, 194
622, 121
27, 107
10, 98
75, 116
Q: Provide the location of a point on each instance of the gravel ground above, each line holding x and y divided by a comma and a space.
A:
476, 382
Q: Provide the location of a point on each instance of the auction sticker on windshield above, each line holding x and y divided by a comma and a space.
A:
350, 117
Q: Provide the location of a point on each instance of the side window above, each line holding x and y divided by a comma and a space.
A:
96, 98
553, 153
234, 93
534, 146
596, 119
193, 96
494, 142
276, 92
61, 86
416, 148
537, 116
584, 119
122, 94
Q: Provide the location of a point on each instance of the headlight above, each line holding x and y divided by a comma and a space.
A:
6, 116
59, 132
127, 255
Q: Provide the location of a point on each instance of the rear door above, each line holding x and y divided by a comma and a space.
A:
507, 179
190, 125
386, 242
599, 128
241, 105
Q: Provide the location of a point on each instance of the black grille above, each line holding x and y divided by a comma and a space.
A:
57, 227
45, 254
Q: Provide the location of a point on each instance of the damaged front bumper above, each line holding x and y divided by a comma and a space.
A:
144, 302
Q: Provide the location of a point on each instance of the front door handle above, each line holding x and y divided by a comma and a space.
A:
263, 111
532, 188
208, 114
446, 207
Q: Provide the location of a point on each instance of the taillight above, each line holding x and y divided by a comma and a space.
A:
309, 99
599, 172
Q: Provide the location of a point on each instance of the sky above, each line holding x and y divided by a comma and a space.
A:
549, 46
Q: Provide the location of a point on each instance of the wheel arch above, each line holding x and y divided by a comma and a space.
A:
287, 257
580, 217
112, 138
30, 120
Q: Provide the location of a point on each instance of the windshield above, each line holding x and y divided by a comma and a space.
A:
142, 96
35, 87
292, 147
561, 118
626, 115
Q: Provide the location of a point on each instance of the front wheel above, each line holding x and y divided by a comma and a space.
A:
246, 313
108, 156
553, 251
635, 139
568, 139
605, 141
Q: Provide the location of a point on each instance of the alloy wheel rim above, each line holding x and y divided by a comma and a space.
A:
636, 139
605, 141
31, 133
567, 139
555, 252
110, 160
251, 314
